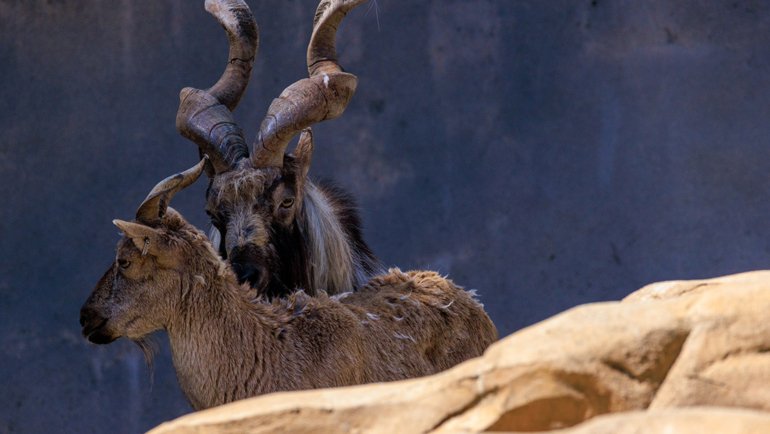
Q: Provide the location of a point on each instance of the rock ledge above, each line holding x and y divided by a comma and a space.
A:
670, 345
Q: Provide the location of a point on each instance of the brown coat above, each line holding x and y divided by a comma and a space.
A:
227, 346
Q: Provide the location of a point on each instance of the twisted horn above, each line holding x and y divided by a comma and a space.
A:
204, 116
322, 96
243, 35
321, 51
154, 207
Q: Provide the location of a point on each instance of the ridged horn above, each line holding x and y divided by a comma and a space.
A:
154, 207
322, 96
204, 116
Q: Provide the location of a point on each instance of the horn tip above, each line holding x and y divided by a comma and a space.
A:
211, 6
184, 93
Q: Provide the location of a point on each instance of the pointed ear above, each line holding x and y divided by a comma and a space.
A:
304, 153
144, 237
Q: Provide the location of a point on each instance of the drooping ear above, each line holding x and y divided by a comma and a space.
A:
304, 153
145, 238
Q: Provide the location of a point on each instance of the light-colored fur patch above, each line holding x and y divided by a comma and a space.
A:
215, 237
335, 264
340, 296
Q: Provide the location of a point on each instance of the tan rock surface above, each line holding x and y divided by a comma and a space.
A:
672, 344
678, 288
693, 420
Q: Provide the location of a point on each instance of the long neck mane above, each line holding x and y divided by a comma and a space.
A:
338, 257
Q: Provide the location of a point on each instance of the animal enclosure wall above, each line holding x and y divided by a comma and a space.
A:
544, 153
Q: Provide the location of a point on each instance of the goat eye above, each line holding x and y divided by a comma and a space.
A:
287, 203
123, 263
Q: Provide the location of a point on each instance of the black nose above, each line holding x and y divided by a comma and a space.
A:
93, 326
246, 273
86, 315
247, 267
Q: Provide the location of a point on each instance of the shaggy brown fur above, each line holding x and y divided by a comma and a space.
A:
226, 346
281, 232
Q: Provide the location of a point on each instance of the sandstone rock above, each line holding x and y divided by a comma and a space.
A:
675, 344
694, 420
677, 288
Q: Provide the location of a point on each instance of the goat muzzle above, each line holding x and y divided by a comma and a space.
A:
246, 265
94, 326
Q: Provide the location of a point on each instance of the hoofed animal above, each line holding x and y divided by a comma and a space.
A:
278, 229
225, 346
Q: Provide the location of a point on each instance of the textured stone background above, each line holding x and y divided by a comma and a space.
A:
545, 153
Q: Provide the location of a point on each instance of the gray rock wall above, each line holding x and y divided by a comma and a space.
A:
545, 153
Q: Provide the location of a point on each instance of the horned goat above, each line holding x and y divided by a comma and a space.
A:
225, 346
278, 229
